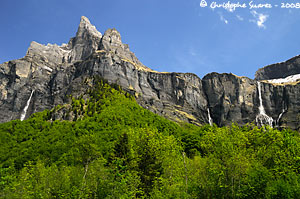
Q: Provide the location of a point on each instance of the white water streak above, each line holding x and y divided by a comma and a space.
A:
210, 121
23, 115
279, 117
262, 118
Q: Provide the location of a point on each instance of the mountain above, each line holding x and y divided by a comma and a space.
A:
48, 75
114, 148
85, 136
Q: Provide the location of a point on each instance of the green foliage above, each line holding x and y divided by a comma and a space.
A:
113, 148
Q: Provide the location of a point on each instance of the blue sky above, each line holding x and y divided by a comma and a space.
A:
168, 35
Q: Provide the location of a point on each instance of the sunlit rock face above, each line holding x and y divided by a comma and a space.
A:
48, 74
47, 69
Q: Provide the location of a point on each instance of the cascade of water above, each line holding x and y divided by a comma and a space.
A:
262, 118
209, 118
279, 117
23, 115
261, 107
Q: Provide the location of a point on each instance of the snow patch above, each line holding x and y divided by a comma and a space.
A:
47, 68
289, 79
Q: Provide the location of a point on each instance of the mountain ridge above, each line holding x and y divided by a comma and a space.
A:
54, 72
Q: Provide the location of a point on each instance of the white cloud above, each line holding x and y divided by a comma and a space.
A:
240, 18
229, 9
222, 18
260, 19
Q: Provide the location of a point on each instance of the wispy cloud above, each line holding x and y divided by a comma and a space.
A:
192, 52
222, 18
239, 18
260, 19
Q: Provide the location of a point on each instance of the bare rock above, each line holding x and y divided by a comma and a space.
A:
49, 73
279, 70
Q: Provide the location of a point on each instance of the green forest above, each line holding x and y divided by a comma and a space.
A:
114, 148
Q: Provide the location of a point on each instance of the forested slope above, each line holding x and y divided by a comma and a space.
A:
108, 146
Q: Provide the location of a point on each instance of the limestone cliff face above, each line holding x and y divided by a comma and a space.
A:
46, 70
48, 74
279, 70
53, 72
176, 96
231, 98
282, 103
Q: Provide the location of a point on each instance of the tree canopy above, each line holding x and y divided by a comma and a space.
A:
113, 148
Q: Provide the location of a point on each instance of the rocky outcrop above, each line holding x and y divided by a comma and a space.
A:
47, 70
279, 70
86, 41
231, 98
176, 96
48, 74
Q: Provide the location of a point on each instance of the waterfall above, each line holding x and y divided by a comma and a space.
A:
262, 118
23, 115
261, 107
279, 117
210, 121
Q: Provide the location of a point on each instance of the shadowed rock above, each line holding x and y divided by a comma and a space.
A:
279, 70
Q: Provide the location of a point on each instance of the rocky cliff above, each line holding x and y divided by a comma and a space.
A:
279, 70
47, 75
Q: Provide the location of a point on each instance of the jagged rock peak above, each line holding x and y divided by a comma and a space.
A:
80, 47
112, 42
37, 48
112, 38
49, 55
86, 26
34, 46
86, 41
